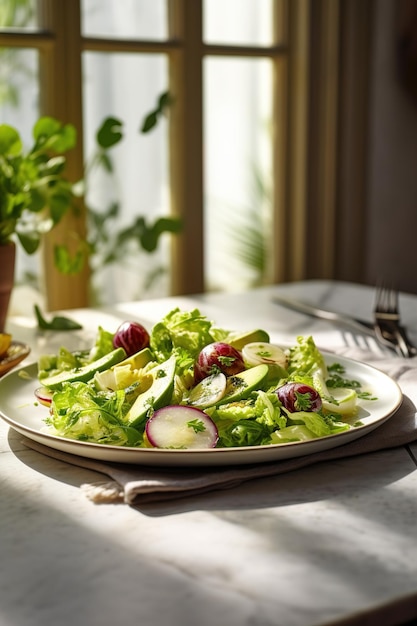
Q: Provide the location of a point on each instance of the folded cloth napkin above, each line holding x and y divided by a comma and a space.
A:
133, 484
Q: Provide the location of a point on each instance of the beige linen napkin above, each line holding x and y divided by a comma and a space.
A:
134, 484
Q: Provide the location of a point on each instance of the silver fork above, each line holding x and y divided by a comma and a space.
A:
387, 323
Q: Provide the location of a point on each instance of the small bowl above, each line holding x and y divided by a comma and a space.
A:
17, 352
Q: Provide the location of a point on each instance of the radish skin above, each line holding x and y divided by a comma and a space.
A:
44, 396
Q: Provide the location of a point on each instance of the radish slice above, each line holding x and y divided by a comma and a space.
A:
256, 353
182, 427
44, 396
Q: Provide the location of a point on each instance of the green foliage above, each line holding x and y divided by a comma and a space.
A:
14, 14
110, 244
58, 322
152, 118
34, 193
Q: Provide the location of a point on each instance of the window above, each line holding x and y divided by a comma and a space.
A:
228, 156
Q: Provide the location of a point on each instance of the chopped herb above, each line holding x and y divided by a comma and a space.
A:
197, 425
338, 381
366, 395
235, 382
227, 360
331, 400
264, 353
302, 401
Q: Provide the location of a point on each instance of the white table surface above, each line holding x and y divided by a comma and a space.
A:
324, 545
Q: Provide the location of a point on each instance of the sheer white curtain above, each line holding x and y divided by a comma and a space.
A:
237, 139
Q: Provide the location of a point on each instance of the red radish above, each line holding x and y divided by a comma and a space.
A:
299, 397
44, 396
132, 337
218, 357
181, 427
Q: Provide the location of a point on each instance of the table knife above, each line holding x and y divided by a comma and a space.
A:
354, 323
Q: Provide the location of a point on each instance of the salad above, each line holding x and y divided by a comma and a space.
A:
186, 383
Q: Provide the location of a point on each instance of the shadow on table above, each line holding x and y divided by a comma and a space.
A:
355, 479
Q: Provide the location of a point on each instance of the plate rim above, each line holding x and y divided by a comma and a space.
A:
194, 457
8, 361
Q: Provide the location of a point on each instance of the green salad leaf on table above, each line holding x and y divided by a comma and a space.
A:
187, 383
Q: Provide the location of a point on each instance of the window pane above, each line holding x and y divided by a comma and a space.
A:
238, 157
19, 89
18, 14
139, 186
127, 19
19, 107
253, 26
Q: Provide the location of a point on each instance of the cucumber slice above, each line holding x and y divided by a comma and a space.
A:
85, 373
208, 392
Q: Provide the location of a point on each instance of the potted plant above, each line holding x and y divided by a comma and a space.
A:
34, 193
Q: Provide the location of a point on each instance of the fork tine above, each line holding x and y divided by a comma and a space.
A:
387, 321
386, 300
394, 301
391, 300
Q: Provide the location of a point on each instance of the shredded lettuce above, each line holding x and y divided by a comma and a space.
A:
242, 433
80, 412
185, 330
294, 433
102, 346
305, 358
49, 365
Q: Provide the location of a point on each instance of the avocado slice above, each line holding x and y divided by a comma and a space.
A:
240, 387
238, 340
158, 394
137, 360
121, 375
85, 373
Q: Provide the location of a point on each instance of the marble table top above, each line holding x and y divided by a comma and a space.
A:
329, 544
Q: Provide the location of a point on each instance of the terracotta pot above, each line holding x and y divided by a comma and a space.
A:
7, 264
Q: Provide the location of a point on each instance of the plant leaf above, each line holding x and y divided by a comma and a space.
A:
66, 263
10, 142
50, 134
30, 241
57, 323
149, 122
109, 133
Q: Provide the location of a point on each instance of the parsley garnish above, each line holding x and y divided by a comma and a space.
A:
264, 353
302, 401
227, 360
336, 371
197, 425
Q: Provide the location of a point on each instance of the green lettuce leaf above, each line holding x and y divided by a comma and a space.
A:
184, 333
80, 412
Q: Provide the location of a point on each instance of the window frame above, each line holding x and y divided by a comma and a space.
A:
308, 154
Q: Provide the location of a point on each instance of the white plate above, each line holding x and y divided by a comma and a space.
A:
18, 407
15, 354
